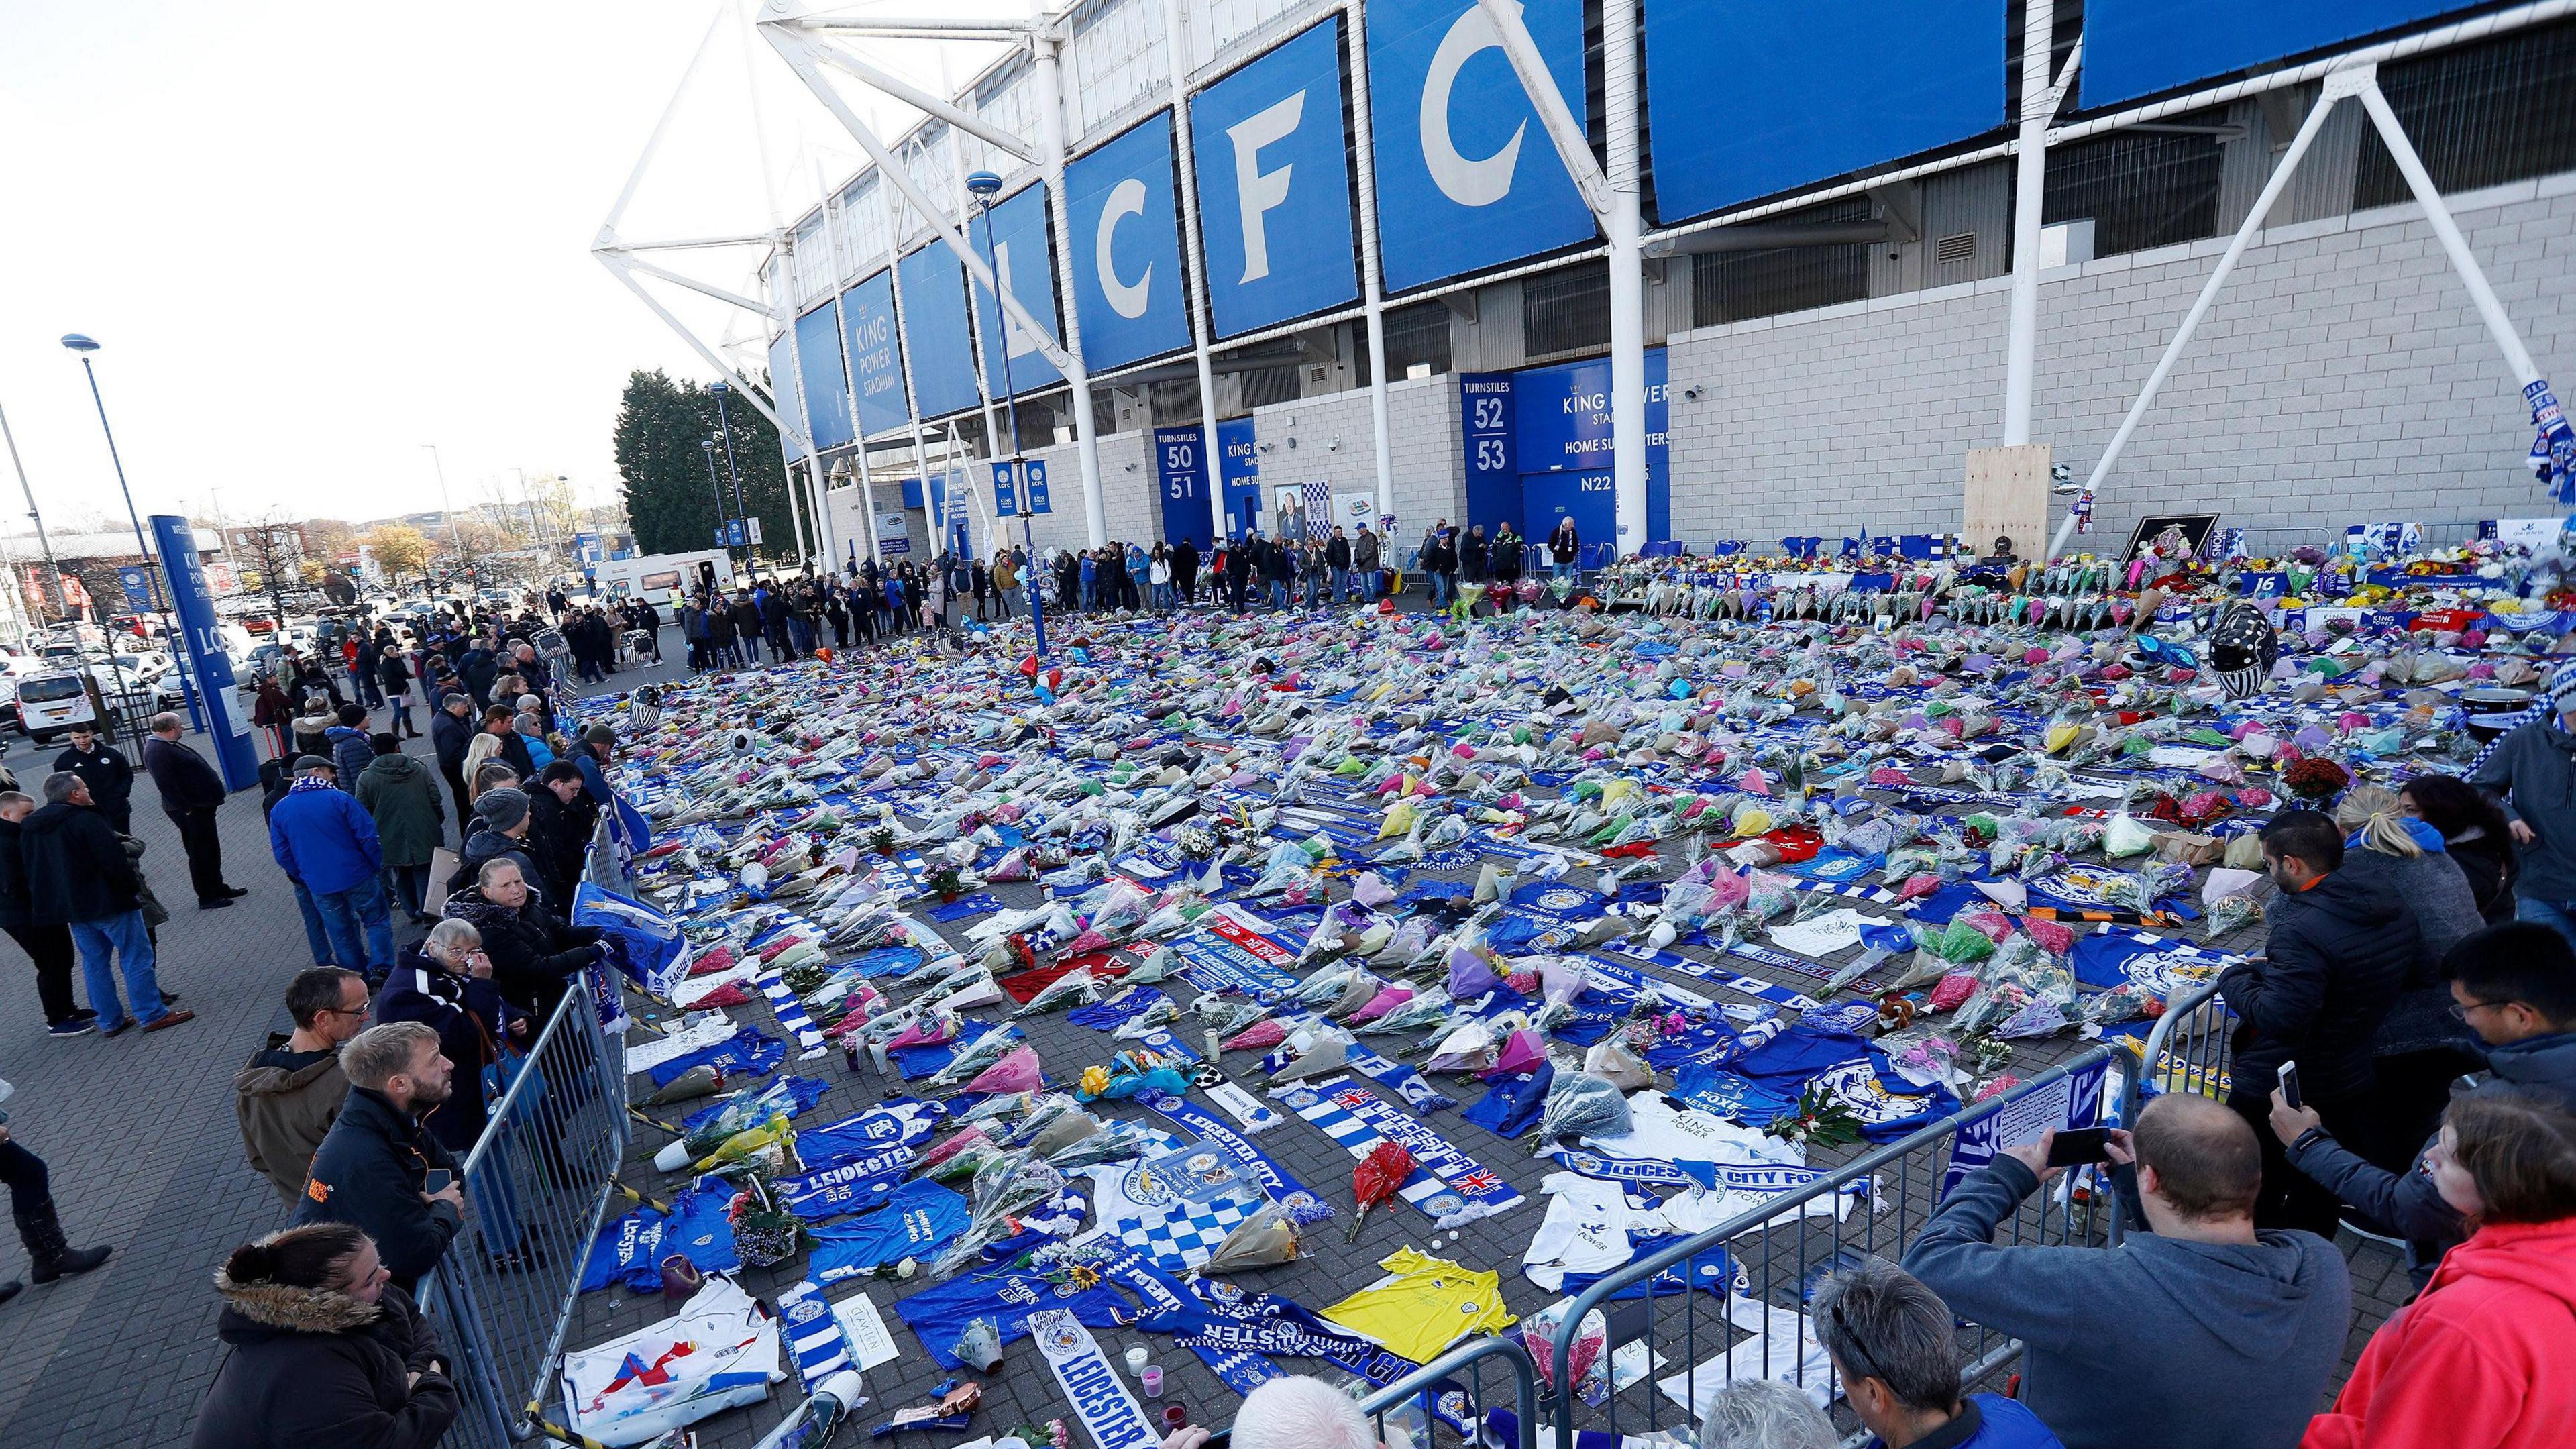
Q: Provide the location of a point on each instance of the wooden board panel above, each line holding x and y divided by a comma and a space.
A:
2006, 496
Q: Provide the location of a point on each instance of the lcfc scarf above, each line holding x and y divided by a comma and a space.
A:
814, 1335
1237, 1334
791, 1013
1447, 1185
1282, 1189
1110, 1414
1402, 1076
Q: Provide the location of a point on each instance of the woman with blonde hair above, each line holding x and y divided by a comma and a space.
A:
2420, 1044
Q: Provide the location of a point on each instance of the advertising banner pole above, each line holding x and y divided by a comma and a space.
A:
227, 724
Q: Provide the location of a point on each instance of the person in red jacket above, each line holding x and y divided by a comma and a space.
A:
2484, 1359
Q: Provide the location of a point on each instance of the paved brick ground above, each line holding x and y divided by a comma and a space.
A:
146, 1157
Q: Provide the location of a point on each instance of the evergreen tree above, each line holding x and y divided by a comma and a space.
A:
660, 424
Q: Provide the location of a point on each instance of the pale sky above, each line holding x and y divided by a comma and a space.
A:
308, 249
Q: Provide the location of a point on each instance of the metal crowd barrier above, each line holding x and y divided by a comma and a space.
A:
1776, 1254
1435, 1388
2190, 1049
537, 1185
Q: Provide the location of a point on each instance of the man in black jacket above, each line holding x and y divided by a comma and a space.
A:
2339, 951
190, 792
450, 733
111, 779
78, 875
372, 1170
560, 823
50, 947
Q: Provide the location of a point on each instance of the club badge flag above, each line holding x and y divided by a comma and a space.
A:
2136, 958
645, 943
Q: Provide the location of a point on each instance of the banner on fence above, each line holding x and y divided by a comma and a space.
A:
2074, 1100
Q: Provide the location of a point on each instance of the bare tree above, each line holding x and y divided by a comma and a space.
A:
271, 556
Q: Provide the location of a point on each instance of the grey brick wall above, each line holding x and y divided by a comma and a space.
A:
2341, 376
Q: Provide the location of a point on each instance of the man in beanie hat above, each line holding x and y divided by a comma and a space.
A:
498, 831
2532, 770
326, 842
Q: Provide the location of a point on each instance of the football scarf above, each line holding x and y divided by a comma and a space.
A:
814, 1336
1109, 1413
791, 1013
1237, 1334
1447, 1185
1248, 1111
1407, 1082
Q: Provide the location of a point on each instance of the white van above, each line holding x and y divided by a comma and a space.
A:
663, 580
53, 700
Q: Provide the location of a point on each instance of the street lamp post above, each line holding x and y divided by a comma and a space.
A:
984, 184
715, 486
724, 430
444, 511
83, 346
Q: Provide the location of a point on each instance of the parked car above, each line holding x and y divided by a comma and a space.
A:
55, 700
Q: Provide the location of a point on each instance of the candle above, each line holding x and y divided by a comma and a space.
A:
1136, 1360
1153, 1381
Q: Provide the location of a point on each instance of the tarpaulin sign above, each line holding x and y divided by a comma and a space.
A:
1229, 954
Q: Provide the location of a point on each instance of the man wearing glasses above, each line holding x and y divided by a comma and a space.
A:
289, 1092
2515, 986
1893, 1350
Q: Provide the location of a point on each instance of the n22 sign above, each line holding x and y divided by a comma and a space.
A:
1466, 175
1126, 247
1275, 186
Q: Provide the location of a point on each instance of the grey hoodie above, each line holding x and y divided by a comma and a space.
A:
2158, 1341
2534, 769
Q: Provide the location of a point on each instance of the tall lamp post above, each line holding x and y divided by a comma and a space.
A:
715, 486
724, 430
83, 347
454, 542
984, 184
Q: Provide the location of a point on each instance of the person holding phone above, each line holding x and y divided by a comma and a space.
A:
2200, 1331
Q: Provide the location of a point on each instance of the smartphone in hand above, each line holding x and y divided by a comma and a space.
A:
2289, 1075
438, 1181
2078, 1146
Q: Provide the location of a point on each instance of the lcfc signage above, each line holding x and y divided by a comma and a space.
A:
1747, 99
1126, 247
818, 353
1466, 174
1020, 257
934, 333
876, 365
1275, 186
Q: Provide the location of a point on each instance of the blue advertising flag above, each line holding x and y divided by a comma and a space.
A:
211, 694
1275, 185
1121, 215
1466, 175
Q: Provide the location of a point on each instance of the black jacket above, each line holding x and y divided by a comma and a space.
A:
2338, 954
371, 1171
450, 736
111, 779
312, 1366
392, 672
77, 870
2491, 867
13, 878
534, 954
556, 841
185, 780
472, 1023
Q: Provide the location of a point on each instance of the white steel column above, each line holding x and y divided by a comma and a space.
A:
903, 349
1180, 48
1372, 291
974, 308
868, 504
1086, 431
2030, 184
1619, 84
2337, 85
2401, 149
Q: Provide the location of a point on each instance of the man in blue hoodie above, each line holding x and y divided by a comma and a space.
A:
326, 842
2515, 985
2197, 1332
